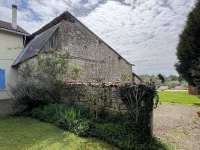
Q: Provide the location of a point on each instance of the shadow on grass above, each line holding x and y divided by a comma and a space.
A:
18, 133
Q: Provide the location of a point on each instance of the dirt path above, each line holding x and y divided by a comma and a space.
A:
178, 125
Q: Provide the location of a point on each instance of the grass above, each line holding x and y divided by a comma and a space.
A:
23, 133
181, 97
19, 133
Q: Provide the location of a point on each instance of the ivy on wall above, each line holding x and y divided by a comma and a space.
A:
140, 100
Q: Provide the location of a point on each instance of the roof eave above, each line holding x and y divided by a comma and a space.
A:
15, 63
14, 31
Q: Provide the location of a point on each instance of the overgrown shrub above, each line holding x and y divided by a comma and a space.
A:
140, 100
116, 134
64, 115
120, 130
43, 80
82, 127
21, 91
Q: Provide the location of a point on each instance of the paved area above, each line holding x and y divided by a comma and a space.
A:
178, 125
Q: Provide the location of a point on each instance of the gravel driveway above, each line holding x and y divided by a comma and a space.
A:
178, 125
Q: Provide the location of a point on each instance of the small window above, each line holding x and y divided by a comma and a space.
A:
2, 79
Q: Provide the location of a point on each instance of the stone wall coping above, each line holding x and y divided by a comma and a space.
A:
103, 84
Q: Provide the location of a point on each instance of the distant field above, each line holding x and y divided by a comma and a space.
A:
181, 97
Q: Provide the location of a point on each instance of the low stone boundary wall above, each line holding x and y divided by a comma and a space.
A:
106, 99
109, 100
6, 107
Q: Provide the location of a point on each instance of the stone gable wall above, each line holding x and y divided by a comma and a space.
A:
99, 61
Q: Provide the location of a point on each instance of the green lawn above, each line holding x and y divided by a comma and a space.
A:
19, 133
181, 97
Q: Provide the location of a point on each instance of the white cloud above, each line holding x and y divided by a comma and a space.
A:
144, 32
5, 16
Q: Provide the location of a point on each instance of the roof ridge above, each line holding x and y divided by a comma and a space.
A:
69, 17
53, 22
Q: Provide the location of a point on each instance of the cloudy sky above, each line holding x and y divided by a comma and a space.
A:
145, 32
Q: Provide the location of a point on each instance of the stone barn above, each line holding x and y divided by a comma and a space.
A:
66, 33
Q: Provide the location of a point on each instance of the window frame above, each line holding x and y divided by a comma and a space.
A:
2, 78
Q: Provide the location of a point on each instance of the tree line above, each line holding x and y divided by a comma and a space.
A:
170, 80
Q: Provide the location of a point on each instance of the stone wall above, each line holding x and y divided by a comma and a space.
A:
109, 102
6, 107
100, 98
100, 62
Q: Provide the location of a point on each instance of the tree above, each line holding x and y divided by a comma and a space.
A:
172, 84
161, 78
180, 78
44, 79
188, 49
138, 97
196, 74
173, 77
57, 71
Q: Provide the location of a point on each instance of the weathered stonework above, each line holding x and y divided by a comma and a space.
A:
100, 62
109, 100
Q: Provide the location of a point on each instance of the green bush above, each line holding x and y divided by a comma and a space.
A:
120, 130
74, 118
126, 136
64, 115
122, 133
37, 113
82, 127
110, 132
140, 100
20, 92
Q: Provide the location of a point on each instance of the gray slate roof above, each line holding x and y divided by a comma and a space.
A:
35, 45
